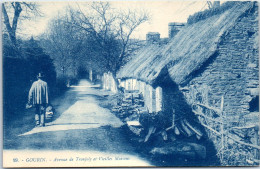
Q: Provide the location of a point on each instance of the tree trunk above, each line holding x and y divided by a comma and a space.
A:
12, 29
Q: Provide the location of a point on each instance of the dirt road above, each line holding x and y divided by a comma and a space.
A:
82, 125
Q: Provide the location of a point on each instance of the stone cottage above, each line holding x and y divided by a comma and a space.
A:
209, 69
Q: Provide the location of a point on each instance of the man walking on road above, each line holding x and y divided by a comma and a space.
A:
38, 97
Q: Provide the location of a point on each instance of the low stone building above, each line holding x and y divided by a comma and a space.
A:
152, 37
209, 74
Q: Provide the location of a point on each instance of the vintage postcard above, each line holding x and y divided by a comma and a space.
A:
130, 83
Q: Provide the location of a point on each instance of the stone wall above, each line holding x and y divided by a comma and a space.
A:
231, 79
152, 96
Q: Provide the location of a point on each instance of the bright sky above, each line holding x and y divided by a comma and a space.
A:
162, 13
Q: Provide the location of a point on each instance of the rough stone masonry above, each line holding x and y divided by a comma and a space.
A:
234, 75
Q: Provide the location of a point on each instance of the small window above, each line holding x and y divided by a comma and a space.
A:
250, 33
254, 104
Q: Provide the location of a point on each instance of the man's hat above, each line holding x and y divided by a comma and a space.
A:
40, 75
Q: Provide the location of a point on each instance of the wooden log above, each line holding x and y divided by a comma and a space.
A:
135, 127
211, 129
195, 130
176, 131
150, 132
245, 127
169, 128
208, 107
186, 129
173, 120
164, 135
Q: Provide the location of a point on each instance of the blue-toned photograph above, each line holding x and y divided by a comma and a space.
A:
130, 83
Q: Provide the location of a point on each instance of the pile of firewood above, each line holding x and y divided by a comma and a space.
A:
153, 128
129, 107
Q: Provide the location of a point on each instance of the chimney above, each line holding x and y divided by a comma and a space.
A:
174, 28
216, 4
152, 37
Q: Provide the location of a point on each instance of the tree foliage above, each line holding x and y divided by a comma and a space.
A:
13, 13
20, 70
94, 35
39, 61
110, 28
64, 43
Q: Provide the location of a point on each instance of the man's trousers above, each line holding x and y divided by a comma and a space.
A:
40, 115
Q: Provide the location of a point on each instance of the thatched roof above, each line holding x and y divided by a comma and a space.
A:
144, 58
187, 51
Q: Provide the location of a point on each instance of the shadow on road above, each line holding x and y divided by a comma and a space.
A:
82, 122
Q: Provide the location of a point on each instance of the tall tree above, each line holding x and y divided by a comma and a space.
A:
12, 15
128, 21
38, 61
111, 29
64, 44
